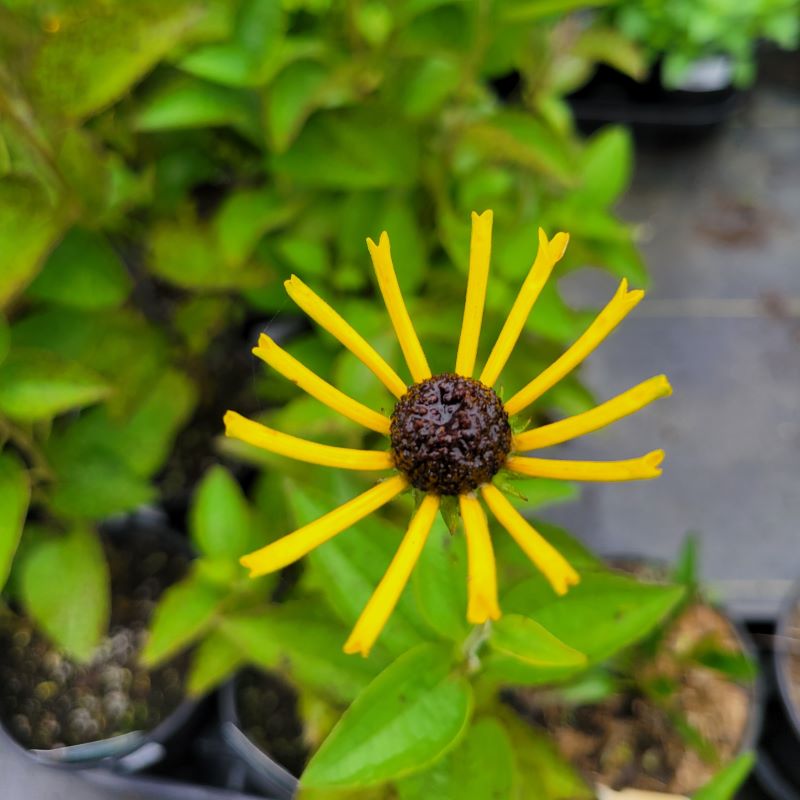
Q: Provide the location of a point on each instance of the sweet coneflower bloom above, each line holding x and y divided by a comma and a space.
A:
449, 434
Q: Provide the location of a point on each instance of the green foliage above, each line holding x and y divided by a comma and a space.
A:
683, 31
15, 493
727, 781
64, 588
408, 718
164, 168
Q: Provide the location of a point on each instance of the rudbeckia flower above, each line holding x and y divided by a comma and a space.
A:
449, 434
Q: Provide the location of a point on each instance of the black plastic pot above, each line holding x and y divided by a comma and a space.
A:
132, 752
778, 766
650, 108
256, 769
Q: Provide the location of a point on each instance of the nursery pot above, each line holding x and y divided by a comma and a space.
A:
106, 683
778, 766
625, 739
259, 770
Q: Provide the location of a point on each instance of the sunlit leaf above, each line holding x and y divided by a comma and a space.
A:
15, 492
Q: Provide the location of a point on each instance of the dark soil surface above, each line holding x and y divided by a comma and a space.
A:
48, 700
268, 715
630, 741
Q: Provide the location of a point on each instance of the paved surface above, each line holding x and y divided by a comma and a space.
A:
721, 227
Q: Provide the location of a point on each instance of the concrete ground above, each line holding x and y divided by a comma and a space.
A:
720, 226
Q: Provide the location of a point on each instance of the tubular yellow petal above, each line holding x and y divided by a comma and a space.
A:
551, 563
291, 369
294, 546
239, 427
482, 602
632, 469
612, 410
548, 255
480, 251
605, 322
331, 321
393, 298
384, 599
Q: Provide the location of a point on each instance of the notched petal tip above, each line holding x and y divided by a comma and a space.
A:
654, 461
483, 216
665, 387
353, 647
558, 245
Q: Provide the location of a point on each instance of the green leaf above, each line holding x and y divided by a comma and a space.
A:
215, 660
220, 522
36, 384
613, 47
606, 166
542, 772
28, 228
686, 569
186, 254
292, 97
244, 218
406, 719
65, 589
604, 613
300, 640
440, 583
524, 652
725, 784
735, 665
83, 272
5, 339
191, 103
481, 768
349, 567
185, 611
522, 140
15, 492
102, 48
246, 58
94, 483
356, 148
118, 344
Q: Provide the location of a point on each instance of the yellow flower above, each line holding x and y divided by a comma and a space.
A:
449, 434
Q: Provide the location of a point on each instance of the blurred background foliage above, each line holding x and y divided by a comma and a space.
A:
165, 166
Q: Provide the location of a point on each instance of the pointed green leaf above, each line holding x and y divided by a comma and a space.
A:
36, 384
220, 522
65, 589
185, 611
607, 163
725, 784
604, 613
214, 661
83, 272
481, 768
406, 719
15, 491
524, 652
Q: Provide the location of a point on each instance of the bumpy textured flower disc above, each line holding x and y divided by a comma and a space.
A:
450, 434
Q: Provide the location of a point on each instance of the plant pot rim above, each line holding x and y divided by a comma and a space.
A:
780, 657
271, 776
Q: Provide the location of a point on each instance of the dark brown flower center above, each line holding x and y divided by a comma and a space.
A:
449, 434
